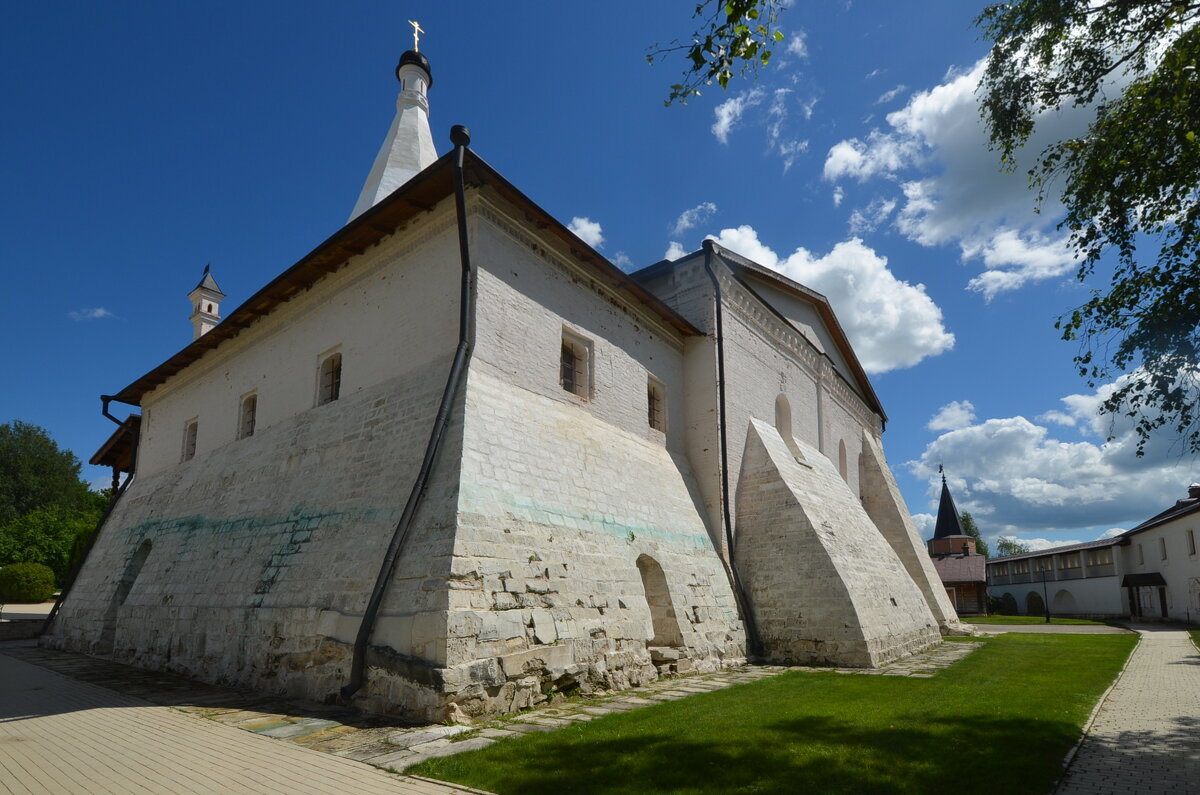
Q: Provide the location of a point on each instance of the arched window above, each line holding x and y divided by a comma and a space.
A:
842, 465
330, 383
247, 416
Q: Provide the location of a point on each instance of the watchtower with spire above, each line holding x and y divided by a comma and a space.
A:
408, 148
206, 304
949, 538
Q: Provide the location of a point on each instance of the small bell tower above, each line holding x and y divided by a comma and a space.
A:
206, 304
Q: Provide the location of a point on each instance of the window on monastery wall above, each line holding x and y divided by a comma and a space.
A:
1191, 542
330, 382
656, 404
190, 430
1162, 548
1141, 556
575, 365
1021, 567
247, 416
843, 467
1069, 561
1099, 557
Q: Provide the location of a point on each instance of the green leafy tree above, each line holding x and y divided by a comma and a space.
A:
732, 37
1006, 545
970, 528
52, 536
35, 473
1129, 183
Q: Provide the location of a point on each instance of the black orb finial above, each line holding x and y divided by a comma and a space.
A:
460, 135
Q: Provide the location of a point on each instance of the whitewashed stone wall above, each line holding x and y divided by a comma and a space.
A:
257, 549
824, 587
561, 496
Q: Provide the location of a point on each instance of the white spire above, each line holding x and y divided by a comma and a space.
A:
205, 298
408, 148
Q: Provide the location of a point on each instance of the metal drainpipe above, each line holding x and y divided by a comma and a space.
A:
461, 138
752, 637
112, 503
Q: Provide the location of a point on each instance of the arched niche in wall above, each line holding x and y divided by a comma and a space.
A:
783, 424
658, 597
843, 467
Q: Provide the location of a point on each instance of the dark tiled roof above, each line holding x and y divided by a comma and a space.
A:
1103, 542
1181, 508
961, 568
948, 523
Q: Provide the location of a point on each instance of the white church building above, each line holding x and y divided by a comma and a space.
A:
453, 462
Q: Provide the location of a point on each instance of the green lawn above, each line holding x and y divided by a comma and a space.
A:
999, 721
1195, 633
998, 619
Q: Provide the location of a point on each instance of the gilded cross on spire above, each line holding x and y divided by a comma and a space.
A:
417, 31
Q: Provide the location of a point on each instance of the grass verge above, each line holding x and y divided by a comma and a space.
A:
999, 721
1027, 620
1195, 633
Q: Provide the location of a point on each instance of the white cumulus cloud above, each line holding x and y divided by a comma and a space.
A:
891, 324
888, 96
589, 231
1016, 475
674, 251
952, 416
867, 219
729, 112
935, 151
97, 313
690, 218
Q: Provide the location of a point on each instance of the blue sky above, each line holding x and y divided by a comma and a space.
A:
146, 140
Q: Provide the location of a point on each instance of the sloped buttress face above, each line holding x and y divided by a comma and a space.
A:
825, 586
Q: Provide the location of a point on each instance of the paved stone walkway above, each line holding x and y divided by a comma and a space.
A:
393, 744
1146, 735
58, 735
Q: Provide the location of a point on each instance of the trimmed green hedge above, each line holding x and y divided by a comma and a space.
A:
26, 583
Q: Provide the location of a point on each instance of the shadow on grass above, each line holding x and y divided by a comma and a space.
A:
819, 754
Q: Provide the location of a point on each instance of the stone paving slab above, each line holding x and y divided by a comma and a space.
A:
1145, 736
393, 744
60, 735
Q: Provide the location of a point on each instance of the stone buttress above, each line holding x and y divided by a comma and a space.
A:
824, 585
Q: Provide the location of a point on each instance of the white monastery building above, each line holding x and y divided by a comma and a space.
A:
1150, 572
453, 462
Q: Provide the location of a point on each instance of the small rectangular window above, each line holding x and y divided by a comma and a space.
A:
1191, 538
330, 385
247, 416
575, 365
656, 404
1162, 548
190, 430
1141, 556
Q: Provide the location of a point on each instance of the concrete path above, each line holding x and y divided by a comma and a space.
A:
1053, 629
59, 735
1145, 737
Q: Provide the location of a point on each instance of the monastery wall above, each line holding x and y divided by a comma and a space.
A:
252, 562
582, 559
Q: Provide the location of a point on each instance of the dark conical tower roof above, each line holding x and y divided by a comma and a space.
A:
948, 523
